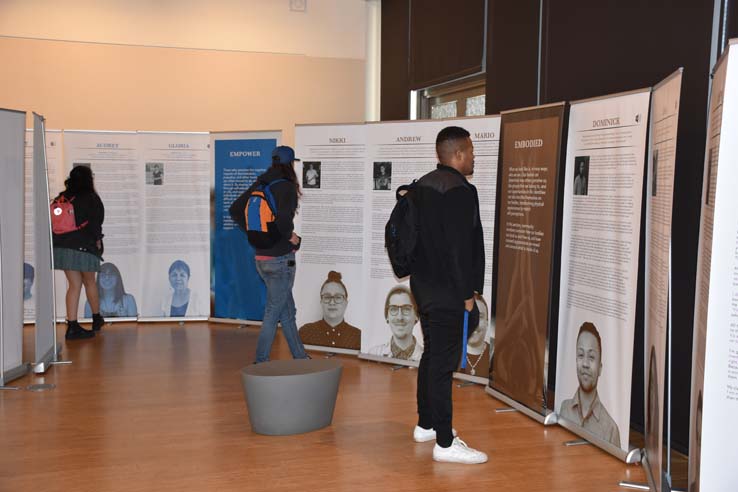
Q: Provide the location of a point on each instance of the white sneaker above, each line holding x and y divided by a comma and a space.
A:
425, 435
459, 452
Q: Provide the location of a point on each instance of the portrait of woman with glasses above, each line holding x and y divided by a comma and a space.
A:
401, 314
332, 331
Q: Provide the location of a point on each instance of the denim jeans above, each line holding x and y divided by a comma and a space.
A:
279, 276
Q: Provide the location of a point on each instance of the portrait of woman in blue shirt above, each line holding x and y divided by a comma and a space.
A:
180, 299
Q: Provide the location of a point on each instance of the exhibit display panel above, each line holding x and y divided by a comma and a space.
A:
331, 291
604, 168
238, 158
119, 180
55, 178
526, 255
713, 453
665, 102
12, 133
46, 347
176, 237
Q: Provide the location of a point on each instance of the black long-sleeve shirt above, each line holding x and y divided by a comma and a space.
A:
449, 265
285, 196
87, 207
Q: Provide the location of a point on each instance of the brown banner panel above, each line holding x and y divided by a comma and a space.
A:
527, 244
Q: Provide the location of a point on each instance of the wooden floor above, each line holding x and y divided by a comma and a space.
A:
159, 407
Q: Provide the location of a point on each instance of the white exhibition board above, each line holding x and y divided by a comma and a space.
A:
176, 236
599, 266
12, 133
55, 174
659, 197
349, 174
714, 405
44, 315
119, 180
331, 220
407, 149
485, 135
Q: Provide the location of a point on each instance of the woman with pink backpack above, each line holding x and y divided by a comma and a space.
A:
77, 215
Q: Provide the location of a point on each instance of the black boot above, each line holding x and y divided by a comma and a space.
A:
97, 322
76, 332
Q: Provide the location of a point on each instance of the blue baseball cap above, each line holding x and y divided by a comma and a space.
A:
284, 155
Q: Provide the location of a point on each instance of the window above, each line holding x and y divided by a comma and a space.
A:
459, 98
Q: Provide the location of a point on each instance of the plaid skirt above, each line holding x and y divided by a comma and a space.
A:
72, 259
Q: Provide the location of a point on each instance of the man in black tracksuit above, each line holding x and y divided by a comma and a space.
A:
448, 270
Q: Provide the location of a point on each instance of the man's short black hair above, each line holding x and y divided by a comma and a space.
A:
588, 327
448, 141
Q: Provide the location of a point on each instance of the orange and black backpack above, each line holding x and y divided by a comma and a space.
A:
260, 214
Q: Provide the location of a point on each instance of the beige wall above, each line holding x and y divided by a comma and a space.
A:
327, 28
113, 87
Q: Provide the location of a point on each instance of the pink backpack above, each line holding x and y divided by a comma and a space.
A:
63, 220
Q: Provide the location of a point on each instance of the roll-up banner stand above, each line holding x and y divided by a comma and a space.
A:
47, 348
12, 133
713, 453
485, 135
238, 294
331, 283
659, 198
397, 153
603, 190
54, 176
175, 279
527, 243
119, 180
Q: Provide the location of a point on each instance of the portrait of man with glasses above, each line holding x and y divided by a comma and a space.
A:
401, 315
332, 331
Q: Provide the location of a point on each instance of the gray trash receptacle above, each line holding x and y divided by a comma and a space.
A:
291, 396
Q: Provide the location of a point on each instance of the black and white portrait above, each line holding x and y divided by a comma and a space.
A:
382, 175
581, 175
311, 174
155, 173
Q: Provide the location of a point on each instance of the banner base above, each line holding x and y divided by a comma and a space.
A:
49, 359
233, 321
331, 350
11, 374
629, 457
548, 419
389, 360
633, 485
471, 379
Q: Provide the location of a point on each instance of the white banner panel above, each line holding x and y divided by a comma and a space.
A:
119, 180
45, 329
485, 135
12, 132
330, 284
405, 151
599, 266
662, 158
55, 168
713, 434
176, 236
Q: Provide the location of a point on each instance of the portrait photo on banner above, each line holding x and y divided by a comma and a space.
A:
395, 323
587, 395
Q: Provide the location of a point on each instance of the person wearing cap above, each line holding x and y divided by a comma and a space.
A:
276, 265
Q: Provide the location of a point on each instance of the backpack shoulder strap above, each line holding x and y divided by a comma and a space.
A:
404, 189
268, 193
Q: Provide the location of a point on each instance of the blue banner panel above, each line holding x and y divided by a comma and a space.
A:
238, 289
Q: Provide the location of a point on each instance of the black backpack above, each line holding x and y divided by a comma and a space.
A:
402, 230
